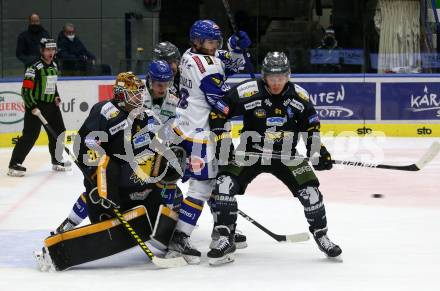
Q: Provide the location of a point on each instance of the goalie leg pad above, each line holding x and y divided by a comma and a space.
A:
164, 228
96, 241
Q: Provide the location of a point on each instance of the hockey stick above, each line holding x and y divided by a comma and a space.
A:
246, 54
297, 237
427, 157
160, 262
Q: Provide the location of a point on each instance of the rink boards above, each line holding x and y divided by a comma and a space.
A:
354, 105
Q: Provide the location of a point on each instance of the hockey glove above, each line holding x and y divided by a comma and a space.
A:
237, 43
98, 200
324, 160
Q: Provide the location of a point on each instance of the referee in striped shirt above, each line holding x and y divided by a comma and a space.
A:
39, 90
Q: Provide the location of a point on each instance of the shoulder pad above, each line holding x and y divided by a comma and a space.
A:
109, 111
302, 93
247, 89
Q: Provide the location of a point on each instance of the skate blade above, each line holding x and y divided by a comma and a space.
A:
15, 173
228, 258
337, 259
241, 245
57, 168
190, 260
169, 262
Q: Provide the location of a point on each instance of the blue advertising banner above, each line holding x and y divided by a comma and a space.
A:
410, 101
343, 101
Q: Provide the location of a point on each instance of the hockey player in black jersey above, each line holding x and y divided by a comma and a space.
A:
163, 104
275, 112
115, 149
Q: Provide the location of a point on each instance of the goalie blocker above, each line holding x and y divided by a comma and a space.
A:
96, 241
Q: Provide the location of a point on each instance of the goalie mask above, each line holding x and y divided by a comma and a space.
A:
130, 89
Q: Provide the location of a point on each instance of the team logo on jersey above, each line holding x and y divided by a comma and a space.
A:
276, 121
199, 64
260, 113
314, 118
141, 140
30, 73
297, 105
109, 111
209, 60
118, 127
302, 93
247, 89
217, 81
278, 111
252, 105
289, 112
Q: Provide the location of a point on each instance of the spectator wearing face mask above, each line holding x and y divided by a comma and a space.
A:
72, 53
28, 42
330, 54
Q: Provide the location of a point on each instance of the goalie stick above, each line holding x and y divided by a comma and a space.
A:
296, 237
427, 157
159, 262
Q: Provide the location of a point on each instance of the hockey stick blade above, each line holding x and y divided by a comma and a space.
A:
432, 152
169, 263
297, 237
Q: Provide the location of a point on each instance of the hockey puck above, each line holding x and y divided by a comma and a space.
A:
377, 195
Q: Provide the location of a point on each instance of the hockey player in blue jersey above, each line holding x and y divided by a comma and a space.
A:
168, 52
203, 71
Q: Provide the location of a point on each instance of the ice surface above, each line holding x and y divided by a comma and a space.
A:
389, 243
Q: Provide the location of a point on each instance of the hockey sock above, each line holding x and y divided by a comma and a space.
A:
79, 210
189, 213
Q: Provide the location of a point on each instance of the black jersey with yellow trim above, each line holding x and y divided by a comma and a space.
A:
274, 118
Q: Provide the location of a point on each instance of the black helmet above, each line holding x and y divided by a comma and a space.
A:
48, 43
275, 63
166, 51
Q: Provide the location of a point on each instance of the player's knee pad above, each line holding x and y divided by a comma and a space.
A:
314, 210
164, 227
310, 197
223, 203
224, 209
227, 184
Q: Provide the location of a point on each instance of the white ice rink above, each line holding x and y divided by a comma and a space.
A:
389, 243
